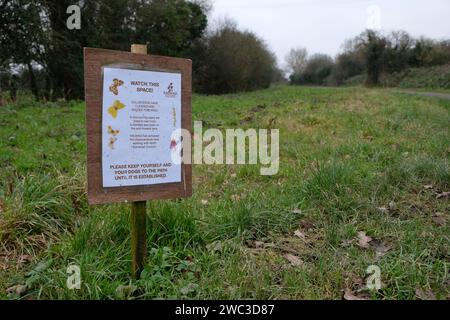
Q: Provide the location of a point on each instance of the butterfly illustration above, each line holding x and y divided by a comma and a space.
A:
112, 140
113, 132
114, 87
117, 105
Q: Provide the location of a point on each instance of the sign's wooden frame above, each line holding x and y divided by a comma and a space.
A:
94, 61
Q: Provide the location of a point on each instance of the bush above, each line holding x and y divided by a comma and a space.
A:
357, 80
233, 61
317, 70
431, 77
348, 64
374, 58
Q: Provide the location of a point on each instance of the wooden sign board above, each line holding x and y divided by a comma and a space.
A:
134, 103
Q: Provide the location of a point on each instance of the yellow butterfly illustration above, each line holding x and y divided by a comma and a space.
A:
112, 140
113, 132
117, 105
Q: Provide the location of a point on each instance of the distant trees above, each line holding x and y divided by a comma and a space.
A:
34, 33
232, 61
374, 49
398, 51
296, 60
37, 45
21, 36
347, 65
372, 55
317, 69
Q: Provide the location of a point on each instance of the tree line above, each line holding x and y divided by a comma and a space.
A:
40, 54
371, 55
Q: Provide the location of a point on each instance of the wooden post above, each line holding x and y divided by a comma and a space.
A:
180, 72
138, 237
138, 215
139, 48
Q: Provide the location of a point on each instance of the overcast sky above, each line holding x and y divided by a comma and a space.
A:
323, 25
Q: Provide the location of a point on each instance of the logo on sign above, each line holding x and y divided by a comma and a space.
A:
170, 93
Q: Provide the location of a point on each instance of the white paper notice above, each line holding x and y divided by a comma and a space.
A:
141, 109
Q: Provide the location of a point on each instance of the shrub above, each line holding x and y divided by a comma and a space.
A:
318, 68
430, 77
234, 61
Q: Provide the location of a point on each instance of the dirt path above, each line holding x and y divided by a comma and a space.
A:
440, 95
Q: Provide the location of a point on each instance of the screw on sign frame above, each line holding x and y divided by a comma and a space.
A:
94, 61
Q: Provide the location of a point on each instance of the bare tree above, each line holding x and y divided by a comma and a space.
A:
296, 60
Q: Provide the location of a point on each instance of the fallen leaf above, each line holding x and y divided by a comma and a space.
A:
294, 260
258, 244
349, 295
363, 240
380, 248
414, 209
439, 219
300, 234
306, 225
428, 186
18, 289
358, 283
443, 195
215, 246
390, 208
427, 294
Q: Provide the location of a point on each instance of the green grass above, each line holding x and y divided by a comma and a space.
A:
344, 154
434, 79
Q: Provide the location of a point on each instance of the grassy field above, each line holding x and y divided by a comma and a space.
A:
362, 182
